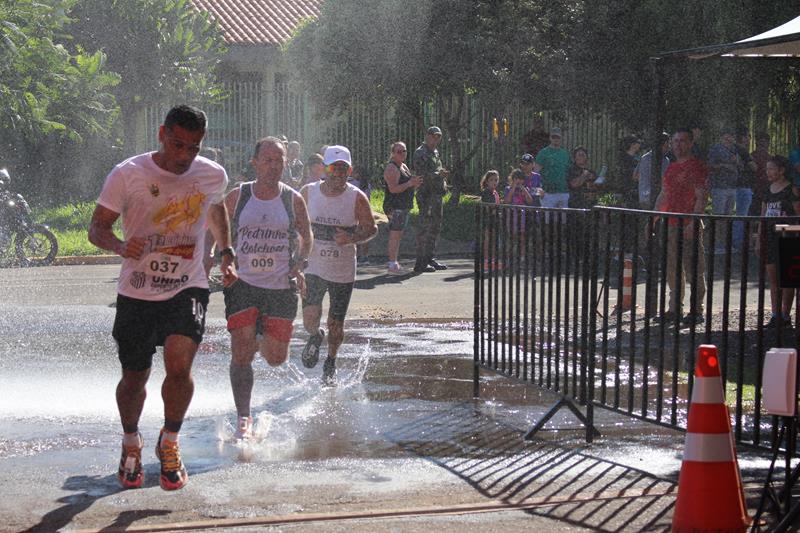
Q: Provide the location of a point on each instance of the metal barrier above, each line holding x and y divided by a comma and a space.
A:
606, 306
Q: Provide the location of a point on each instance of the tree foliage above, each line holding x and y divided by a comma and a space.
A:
394, 51
550, 55
391, 53
70, 69
615, 40
163, 51
46, 91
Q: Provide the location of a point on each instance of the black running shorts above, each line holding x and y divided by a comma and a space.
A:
771, 249
340, 294
273, 303
141, 325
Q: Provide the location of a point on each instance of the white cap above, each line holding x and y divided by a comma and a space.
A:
336, 153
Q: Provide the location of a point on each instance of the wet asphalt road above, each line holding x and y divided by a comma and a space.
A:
400, 434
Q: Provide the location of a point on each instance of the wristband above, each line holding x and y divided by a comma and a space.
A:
228, 251
301, 264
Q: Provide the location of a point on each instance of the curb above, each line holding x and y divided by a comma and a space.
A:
377, 247
74, 260
88, 260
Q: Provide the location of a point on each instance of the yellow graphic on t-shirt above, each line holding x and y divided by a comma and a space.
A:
181, 212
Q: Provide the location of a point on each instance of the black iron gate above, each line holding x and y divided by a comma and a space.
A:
589, 304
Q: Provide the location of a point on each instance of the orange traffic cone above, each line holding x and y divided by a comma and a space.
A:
710, 494
627, 287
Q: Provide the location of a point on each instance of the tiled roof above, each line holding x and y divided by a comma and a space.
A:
258, 21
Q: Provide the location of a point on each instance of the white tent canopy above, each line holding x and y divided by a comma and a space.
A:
780, 42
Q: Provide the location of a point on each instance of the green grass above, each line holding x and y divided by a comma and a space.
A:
75, 242
748, 388
459, 220
70, 224
66, 217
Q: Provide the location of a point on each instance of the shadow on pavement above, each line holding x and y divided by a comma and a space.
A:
383, 279
459, 277
92, 489
545, 479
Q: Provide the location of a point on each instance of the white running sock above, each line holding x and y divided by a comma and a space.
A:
131, 439
168, 436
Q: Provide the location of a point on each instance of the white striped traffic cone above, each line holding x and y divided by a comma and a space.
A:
627, 287
710, 493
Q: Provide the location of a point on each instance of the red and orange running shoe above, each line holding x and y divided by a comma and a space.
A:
173, 474
130, 473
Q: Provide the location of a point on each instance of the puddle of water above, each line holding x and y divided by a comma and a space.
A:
62, 399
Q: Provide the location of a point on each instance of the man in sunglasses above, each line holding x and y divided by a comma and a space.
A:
341, 218
166, 199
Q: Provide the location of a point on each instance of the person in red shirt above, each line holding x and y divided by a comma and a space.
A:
684, 190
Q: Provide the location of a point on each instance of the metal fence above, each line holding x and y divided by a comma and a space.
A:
256, 108
590, 304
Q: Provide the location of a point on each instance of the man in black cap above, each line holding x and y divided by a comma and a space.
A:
428, 164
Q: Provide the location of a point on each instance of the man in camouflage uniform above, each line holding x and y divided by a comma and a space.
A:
428, 164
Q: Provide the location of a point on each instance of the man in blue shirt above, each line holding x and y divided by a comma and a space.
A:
725, 165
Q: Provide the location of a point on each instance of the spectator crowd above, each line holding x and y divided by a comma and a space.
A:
725, 177
732, 176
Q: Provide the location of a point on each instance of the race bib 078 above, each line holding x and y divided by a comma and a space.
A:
329, 252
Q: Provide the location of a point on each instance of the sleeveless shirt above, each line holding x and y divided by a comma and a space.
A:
401, 200
328, 260
262, 236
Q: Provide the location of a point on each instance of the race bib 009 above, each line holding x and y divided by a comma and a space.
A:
262, 263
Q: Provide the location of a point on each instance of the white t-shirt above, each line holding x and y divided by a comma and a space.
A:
169, 212
328, 260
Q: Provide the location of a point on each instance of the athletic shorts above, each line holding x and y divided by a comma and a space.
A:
141, 325
771, 248
263, 303
398, 219
339, 294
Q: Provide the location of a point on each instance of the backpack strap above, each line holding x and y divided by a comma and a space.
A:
287, 197
245, 192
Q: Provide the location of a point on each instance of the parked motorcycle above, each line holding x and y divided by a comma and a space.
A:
34, 244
